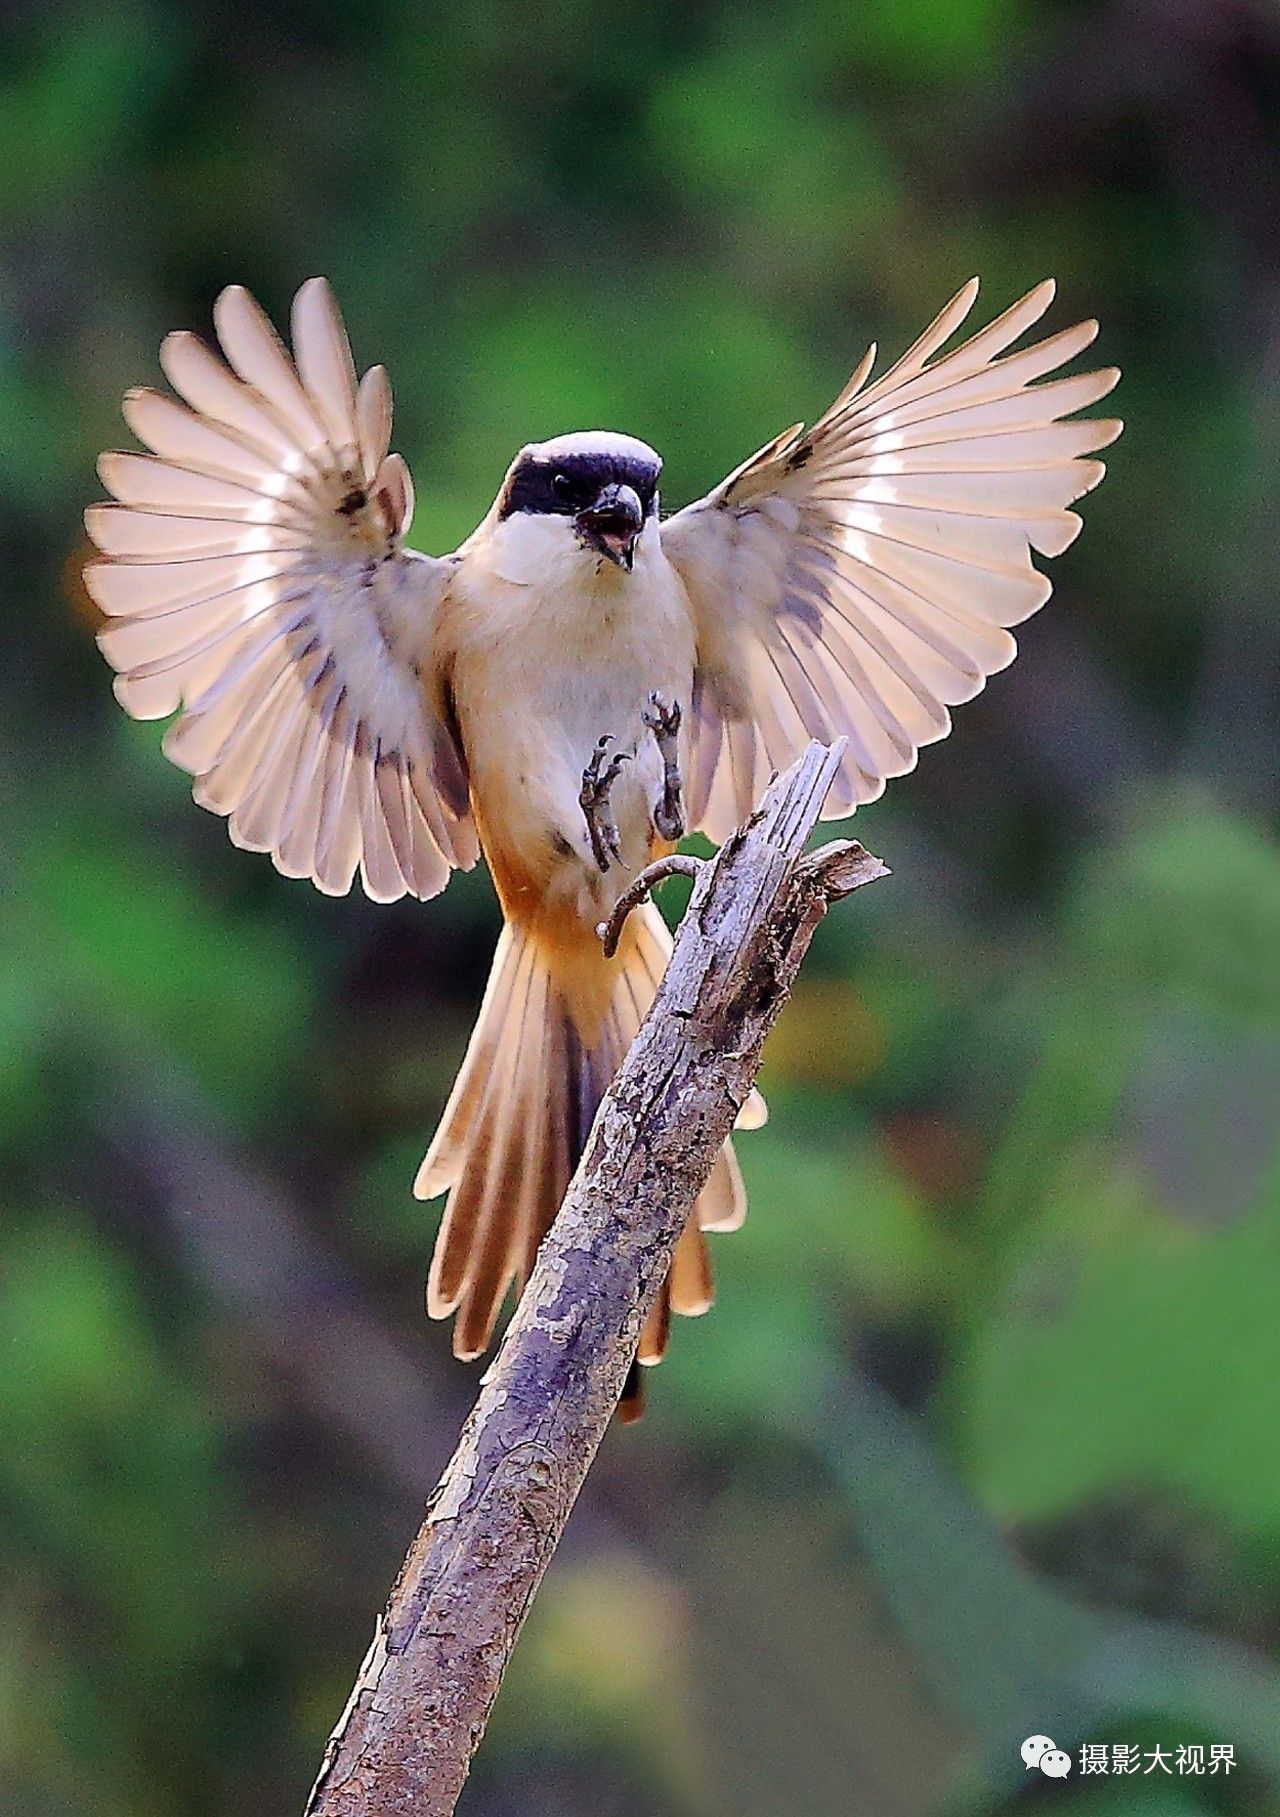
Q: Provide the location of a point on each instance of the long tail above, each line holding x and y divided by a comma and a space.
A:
550, 1036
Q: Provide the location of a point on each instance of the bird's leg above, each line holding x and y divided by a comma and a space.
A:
597, 780
663, 720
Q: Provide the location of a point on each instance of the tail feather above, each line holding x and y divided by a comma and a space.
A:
467, 1152
550, 1178
690, 1281
723, 1202
688, 1290
515, 1131
550, 1036
463, 1211
631, 1406
443, 1160
657, 1328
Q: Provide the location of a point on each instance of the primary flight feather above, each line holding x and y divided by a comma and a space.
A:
573, 686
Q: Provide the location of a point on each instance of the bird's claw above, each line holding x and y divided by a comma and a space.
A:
663, 719
597, 780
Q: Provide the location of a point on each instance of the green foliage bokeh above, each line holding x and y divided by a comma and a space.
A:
980, 1437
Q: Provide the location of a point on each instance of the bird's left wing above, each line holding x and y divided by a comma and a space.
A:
858, 578
253, 573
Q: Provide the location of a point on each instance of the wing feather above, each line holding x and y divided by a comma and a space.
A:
860, 577
253, 575
325, 366
211, 390
258, 356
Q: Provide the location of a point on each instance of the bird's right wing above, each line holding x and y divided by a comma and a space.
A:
253, 573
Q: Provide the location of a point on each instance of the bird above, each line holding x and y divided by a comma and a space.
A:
576, 686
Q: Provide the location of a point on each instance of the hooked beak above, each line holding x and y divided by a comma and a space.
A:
613, 524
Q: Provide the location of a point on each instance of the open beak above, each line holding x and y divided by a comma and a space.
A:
613, 524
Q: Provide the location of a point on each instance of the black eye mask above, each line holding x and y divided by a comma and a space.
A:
571, 484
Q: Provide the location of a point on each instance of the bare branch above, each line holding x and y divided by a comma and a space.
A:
423, 1695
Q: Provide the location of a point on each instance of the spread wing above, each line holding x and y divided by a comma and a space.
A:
858, 578
253, 574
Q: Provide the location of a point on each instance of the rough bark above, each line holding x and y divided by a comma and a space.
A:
424, 1692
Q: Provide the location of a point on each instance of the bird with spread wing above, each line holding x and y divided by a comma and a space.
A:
573, 688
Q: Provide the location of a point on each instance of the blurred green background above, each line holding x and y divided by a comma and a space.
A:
982, 1437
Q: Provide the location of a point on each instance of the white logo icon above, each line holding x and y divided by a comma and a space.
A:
1043, 1752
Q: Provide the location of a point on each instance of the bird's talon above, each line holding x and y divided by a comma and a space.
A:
597, 780
663, 719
